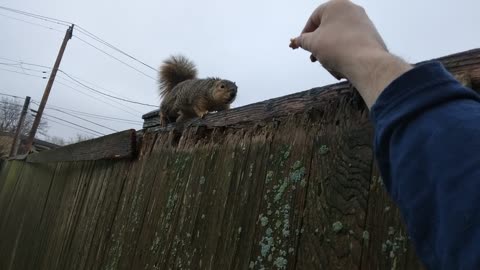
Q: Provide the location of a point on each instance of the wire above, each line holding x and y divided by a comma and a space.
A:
25, 63
60, 119
102, 93
26, 74
23, 68
13, 96
32, 23
132, 67
97, 86
10, 103
97, 116
95, 98
63, 124
86, 120
71, 77
85, 32
40, 17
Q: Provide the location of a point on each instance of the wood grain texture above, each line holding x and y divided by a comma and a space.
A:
388, 245
337, 198
114, 146
24, 214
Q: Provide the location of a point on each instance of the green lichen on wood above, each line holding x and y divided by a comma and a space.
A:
250, 170
298, 172
324, 149
269, 177
280, 263
337, 226
285, 152
395, 244
366, 235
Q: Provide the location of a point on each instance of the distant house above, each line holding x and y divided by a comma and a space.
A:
6, 140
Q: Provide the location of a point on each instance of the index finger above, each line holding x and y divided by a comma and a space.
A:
315, 19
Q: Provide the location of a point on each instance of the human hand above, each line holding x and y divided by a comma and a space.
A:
343, 38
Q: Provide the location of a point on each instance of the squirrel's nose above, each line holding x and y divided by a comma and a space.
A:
233, 93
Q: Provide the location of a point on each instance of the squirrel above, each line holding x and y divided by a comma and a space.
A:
185, 96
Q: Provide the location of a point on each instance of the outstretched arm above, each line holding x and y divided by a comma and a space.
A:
427, 133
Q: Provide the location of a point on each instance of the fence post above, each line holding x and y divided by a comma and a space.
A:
16, 137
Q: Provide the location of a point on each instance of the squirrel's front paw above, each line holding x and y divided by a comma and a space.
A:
202, 114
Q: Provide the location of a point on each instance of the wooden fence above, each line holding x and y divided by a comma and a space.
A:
288, 183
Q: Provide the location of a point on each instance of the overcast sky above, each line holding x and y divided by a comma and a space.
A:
243, 41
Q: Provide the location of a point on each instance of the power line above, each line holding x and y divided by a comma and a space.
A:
10, 103
102, 93
23, 68
98, 87
97, 116
13, 96
63, 120
32, 23
132, 67
86, 120
85, 32
122, 108
95, 98
26, 74
71, 77
40, 17
63, 124
87, 114
25, 63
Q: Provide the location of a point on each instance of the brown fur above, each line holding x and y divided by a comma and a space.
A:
186, 97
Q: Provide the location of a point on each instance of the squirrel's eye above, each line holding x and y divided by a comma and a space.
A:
222, 86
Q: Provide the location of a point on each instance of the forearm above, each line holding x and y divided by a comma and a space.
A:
373, 72
427, 146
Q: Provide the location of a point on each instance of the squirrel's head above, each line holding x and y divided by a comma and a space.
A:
225, 91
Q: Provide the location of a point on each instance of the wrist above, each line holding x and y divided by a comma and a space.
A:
374, 71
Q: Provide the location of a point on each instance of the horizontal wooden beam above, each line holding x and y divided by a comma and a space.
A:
465, 65
119, 145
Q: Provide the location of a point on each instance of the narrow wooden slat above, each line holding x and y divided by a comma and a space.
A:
56, 230
23, 218
115, 146
10, 174
337, 197
129, 216
388, 245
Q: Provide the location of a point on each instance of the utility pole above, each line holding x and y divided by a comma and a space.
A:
16, 137
41, 107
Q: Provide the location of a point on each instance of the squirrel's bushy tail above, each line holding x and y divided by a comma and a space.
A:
175, 70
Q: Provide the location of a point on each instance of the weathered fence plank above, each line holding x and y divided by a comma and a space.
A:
60, 205
24, 215
387, 246
9, 176
337, 197
114, 146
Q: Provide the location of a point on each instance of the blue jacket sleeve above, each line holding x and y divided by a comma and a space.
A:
427, 145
